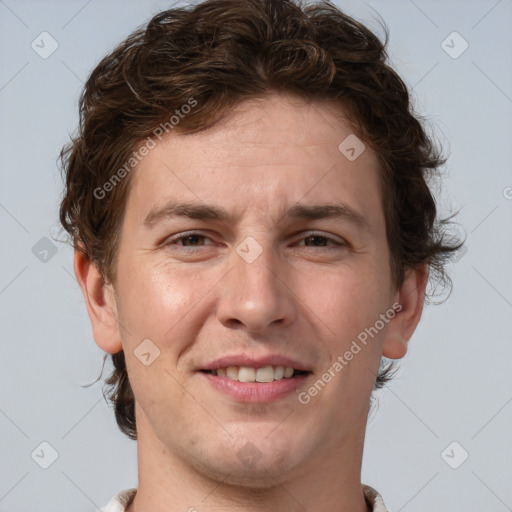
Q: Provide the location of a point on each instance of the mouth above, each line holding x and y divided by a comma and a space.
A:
264, 374
256, 384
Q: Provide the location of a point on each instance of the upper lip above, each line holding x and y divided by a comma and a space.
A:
255, 362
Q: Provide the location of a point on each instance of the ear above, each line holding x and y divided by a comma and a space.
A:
100, 302
400, 329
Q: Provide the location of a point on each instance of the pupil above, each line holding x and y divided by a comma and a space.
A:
317, 238
194, 239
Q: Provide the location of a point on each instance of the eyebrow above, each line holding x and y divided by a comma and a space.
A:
206, 211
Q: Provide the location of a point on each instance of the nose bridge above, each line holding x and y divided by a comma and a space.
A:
256, 264
254, 294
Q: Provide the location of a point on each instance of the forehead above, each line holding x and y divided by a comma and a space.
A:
275, 124
266, 153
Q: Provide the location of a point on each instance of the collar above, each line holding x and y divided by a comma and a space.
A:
123, 498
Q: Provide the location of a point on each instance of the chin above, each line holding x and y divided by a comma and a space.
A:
254, 459
257, 476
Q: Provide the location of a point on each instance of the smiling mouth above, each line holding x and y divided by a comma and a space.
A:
261, 375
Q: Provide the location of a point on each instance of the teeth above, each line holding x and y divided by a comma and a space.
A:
265, 374
232, 372
248, 374
288, 372
278, 372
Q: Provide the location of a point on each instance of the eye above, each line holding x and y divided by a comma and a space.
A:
190, 240
193, 240
322, 241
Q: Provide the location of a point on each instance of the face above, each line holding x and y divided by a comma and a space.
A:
255, 272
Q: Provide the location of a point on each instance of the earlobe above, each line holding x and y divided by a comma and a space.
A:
100, 302
410, 296
395, 346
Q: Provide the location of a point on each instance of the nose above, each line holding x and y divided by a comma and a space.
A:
255, 293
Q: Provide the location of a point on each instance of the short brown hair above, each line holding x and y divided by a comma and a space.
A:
221, 53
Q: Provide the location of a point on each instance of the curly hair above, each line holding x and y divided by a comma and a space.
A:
220, 53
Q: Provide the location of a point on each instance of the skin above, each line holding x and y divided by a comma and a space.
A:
306, 298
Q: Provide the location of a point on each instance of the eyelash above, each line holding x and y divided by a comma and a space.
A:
174, 241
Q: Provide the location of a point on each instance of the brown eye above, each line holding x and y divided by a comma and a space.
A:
320, 240
187, 240
317, 241
192, 239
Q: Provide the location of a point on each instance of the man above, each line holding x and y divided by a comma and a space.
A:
253, 233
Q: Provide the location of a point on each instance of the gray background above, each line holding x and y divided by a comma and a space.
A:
455, 384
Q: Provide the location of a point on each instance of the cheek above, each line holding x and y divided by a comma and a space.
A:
159, 304
348, 300
345, 307
155, 301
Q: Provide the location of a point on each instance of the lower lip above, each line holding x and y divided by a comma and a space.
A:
255, 391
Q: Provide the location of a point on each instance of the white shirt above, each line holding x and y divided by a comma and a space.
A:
121, 500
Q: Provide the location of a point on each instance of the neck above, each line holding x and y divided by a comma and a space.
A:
330, 482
